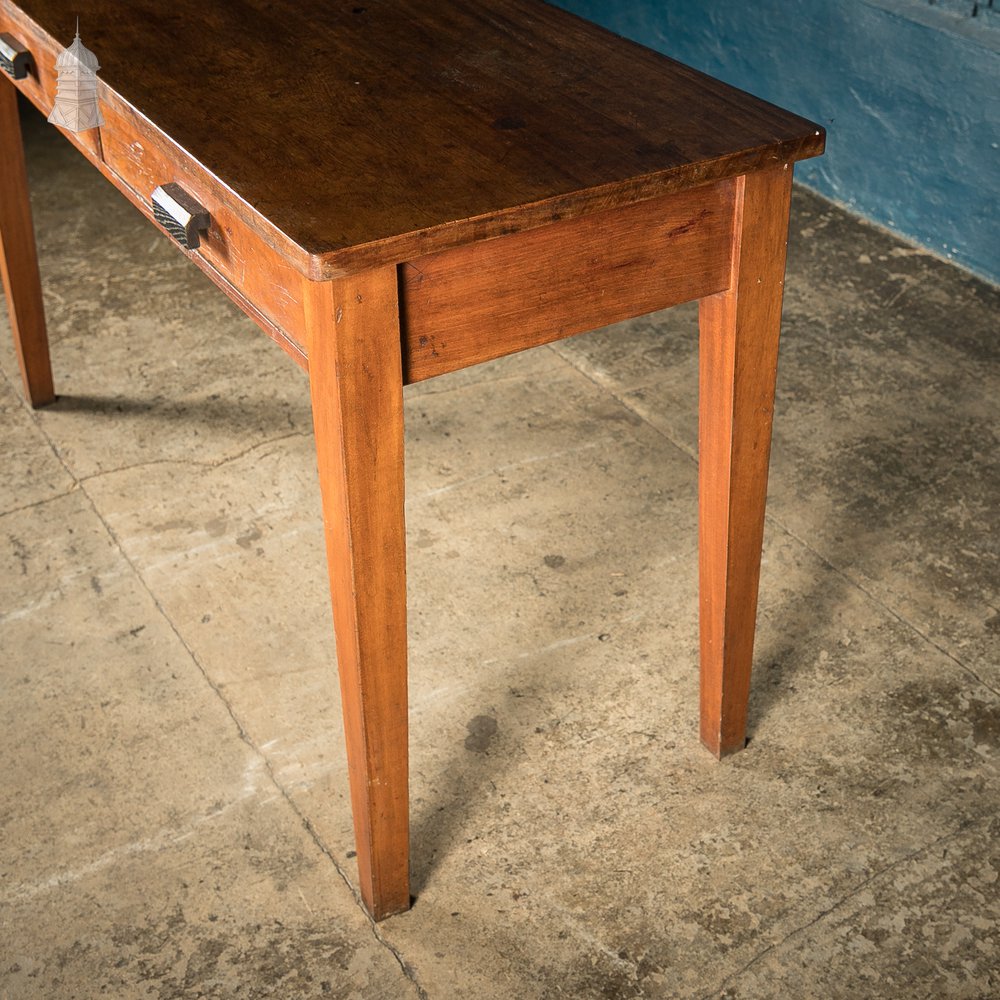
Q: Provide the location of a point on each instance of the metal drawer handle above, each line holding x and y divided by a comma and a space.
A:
14, 57
179, 214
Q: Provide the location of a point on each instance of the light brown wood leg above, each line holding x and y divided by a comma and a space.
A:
355, 377
738, 364
19, 258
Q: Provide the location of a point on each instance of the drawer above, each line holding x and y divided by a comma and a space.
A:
238, 251
139, 158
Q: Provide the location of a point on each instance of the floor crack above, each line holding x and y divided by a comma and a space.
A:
42, 502
217, 464
887, 608
241, 730
244, 735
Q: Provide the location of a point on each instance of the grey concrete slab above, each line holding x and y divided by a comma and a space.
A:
176, 820
924, 925
560, 798
583, 845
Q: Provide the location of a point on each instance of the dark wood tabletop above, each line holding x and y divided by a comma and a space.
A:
407, 126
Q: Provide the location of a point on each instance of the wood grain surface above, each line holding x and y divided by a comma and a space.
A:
738, 366
373, 131
493, 297
357, 400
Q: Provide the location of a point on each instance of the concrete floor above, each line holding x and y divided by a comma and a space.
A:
174, 818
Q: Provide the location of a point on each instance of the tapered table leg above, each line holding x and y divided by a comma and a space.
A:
19, 259
738, 364
355, 377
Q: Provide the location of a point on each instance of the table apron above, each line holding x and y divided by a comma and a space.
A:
494, 297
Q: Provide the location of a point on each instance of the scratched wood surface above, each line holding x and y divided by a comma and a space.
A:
375, 131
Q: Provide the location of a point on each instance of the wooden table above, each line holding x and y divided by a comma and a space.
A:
398, 190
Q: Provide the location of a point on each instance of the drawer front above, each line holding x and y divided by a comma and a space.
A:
142, 159
137, 159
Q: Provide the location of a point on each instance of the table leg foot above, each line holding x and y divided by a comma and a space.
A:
355, 376
738, 364
19, 259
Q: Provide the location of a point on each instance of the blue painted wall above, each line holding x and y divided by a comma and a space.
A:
909, 93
